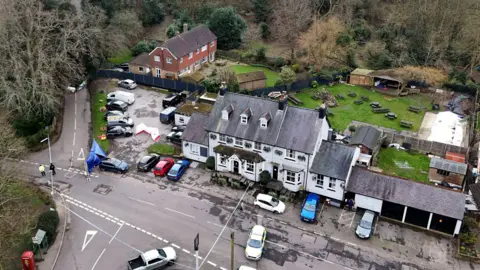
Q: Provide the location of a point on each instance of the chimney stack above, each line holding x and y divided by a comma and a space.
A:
322, 112
282, 102
185, 27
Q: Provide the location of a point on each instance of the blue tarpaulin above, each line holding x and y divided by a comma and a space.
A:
95, 156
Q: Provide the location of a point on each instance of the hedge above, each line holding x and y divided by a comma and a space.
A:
48, 221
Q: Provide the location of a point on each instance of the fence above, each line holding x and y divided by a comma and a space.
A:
295, 87
173, 85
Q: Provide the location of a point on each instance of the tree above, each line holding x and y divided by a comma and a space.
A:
321, 43
144, 47
203, 13
171, 6
287, 76
229, 77
262, 10
228, 26
291, 17
183, 17
172, 30
264, 30
125, 23
265, 177
152, 12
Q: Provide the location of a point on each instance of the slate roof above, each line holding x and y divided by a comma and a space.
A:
293, 128
189, 41
141, 60
448, 165
366, 135
333, 160
475, 190
405, 192
251, 76
195, 131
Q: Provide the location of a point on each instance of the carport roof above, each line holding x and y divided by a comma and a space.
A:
448, 165
195, 131
475, 190
409, 193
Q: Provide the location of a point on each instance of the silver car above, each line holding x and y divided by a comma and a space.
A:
127, 84
365, 227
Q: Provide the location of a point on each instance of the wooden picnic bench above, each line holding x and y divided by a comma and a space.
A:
352, 94
414, 109
358, 102
340, 96
381, 110
295, 100
406, 124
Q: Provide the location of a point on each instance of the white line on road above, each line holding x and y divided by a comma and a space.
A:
282, 246
218, 225
179, 212
113, 237
214, 265
75, 124
175, 246
138, 200
221, 268
74, 138
186, 251
95, 264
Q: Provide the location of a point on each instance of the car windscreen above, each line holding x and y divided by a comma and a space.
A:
309, 207
162, 253
365, 224
145, 159
174, 169
274, 202
254, 243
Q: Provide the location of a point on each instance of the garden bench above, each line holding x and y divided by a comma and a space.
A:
414, 109
365, 98
340, 96
406, 124
352, 94
391, 116
358, 102
295, 100
381, 110
375, 105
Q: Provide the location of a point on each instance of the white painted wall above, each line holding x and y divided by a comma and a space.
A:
457, 227
181, 120
192, 151
325, 191
368, 203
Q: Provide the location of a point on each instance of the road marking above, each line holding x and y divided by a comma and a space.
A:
113, 237
282, 246
138, 200
351, 244
95, 264
179, 212
73, 141
175, 246
165, 241
214, 265
221, 268
354, 213
75, 124
335, 238
186, 251
87, 240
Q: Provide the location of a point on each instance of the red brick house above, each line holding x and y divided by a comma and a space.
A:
183, 54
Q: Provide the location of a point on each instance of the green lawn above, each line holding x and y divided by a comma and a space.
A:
121, 57
272, 76
411, 165
346, 111
161, 149
98, 121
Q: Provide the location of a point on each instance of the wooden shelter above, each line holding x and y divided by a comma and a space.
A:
252, 80
361, 77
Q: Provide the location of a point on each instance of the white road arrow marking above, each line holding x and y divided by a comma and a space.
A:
81, 155
87, 240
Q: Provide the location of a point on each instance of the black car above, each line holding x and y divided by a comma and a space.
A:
175, 137
172, 101
123, 66
147, 162
113, 165
117, 106
118, 131
115, 113
178, 128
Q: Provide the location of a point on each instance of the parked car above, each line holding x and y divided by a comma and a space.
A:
147, 162
175, 137
256, 243
310, 207
117, 106
118, 69
153, 259
121, 121
269, 203
118, 131
172, 101
163, 166
127, 84
365, 226
167, 116
178, 169
115, 113
113, 165
178, 128
123, 66
127, 97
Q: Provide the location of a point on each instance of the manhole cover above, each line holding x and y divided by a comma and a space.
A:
308, 238
103, 189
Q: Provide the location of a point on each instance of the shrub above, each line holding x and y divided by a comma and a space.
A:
352, 128
264, 30
260, 53
210, 163
273, 194
295, 68
279, 62
172, 30
278, 82
214, 72
265, 177
314, 84
48, 221
246, 55
211, 86
344, 39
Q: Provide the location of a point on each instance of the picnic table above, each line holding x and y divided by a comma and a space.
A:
414, 109
375, 105
391, 116
381, 110
340, 96
406, 124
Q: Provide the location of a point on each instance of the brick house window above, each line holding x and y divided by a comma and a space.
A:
169, 60
156, 58
318, 180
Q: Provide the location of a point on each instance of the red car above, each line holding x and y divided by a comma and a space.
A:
163, 166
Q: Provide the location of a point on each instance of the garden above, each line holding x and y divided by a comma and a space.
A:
353, 103
163, 149
272, 76
405, 164
469, 246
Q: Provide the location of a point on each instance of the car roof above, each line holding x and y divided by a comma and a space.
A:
368, 216
128, 81
258, 230
264, 197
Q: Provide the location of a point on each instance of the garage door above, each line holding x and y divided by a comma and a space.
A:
368, 203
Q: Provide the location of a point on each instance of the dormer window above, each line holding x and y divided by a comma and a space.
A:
245, 116
226, 112
264, 119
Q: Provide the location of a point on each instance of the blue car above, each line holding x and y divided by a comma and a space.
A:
309, 208
178, 169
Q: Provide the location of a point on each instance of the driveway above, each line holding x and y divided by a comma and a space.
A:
146, 110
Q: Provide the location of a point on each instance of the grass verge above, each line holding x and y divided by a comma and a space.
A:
272, 76
411, 165
98, 121
162, 149
346, 111
121, 57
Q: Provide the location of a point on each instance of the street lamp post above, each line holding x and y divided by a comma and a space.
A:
50, 155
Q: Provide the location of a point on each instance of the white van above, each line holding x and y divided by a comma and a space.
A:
126, 97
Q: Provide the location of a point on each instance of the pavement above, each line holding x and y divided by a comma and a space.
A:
115, 217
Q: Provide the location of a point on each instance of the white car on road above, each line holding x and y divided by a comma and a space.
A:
269, 203
255, 243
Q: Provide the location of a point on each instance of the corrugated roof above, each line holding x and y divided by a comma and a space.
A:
293, 128
366, 135
448, 165
361, 71
405, 192
333, 160
251, 76
195, 131
141, 60
189, 41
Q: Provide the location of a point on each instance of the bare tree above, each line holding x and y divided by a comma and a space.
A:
290, 18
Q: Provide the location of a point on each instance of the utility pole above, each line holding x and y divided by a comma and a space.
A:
232, 263
50, 155
196, 241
